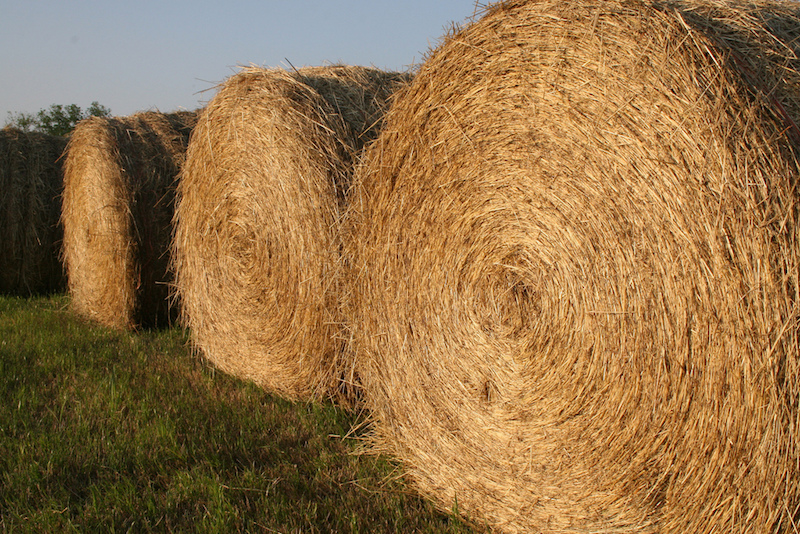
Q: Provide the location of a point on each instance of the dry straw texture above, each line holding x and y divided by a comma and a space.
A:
119, 191
30, 187
575, 251
257, 239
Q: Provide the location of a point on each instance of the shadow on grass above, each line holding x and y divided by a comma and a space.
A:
117, 431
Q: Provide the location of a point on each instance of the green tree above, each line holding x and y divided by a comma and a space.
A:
97, 110
57, 120
24, 121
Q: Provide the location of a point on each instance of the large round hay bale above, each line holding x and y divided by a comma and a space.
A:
119, 192
257, 239
575, 252
30, 187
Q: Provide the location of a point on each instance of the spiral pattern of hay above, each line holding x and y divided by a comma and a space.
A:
119, 189
257, 242
30, 184
574, 297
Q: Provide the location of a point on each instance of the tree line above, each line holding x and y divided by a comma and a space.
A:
57, 119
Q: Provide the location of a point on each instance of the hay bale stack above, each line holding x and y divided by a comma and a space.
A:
119, 190
257, 238
575, 269
30, 180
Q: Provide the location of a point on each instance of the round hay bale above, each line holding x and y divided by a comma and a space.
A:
257, 239
30, 180
574, 249
119, 193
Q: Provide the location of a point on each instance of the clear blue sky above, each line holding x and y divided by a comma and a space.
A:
169, 54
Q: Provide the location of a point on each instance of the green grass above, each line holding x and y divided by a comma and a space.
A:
131, 432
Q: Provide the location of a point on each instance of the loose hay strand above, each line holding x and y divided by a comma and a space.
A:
257, 244
574, 285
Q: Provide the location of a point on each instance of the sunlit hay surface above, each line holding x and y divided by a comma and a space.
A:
257, 241
574, 296
31, 179
119, 191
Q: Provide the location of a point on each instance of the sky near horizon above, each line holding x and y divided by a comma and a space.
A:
169, 55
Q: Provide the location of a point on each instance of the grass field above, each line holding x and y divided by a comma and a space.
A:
131, 432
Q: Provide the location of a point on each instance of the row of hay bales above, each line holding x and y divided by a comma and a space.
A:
101, 200
265, 128
558, 267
